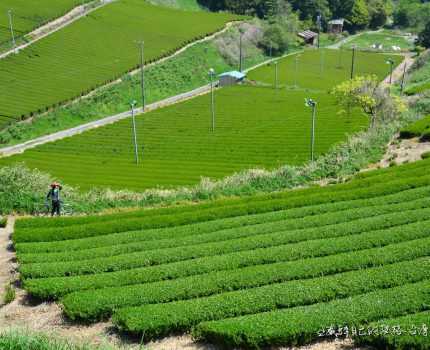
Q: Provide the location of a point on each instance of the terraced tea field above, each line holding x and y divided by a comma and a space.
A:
93, 51
28, 15
268, 270
255, 127
323, 69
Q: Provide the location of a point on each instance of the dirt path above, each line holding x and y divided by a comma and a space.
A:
7, 264
398, 71
402, 152
57, 24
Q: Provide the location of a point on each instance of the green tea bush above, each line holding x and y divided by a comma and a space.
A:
420, 129
100, 303
302, 325
413, 331
161, 319
303, 229
56, 287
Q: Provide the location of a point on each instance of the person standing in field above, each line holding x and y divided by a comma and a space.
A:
54, 196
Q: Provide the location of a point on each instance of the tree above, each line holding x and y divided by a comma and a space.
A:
424, 37
366, 94
276, 39
359, 92
378, 13
359, 17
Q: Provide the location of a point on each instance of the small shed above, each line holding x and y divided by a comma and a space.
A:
231, 78
335, 26
308, 36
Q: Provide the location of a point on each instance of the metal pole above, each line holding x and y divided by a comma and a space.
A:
340, 59
391, 72
240, 53
402, 86
211, 73
322, 62
297, 73
319, 30
314, 109
136, 152
353, 63
11, 27
142, 74
276, 75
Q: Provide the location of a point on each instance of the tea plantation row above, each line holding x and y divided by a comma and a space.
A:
269, 270
27, 16
95, 50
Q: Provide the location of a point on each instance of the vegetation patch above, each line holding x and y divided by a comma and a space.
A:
420, 129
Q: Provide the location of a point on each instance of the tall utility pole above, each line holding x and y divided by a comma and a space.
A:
240, 50
402, 86
212, 76
353, 62
319, 29
391, 63
136, 152
9, 12
142, 73
322, 59
311, 103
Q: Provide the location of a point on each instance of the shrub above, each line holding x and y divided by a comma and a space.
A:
302, 325
9, 294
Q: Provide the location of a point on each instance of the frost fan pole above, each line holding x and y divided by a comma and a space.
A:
212, 75
142, 73
311, 103
136, 151
11, 27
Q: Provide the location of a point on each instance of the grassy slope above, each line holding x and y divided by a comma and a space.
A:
388, 40
283, 252
57, 75
323, 70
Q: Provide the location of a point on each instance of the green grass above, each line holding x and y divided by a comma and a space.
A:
3, 222
255, 127
63, 66
23, 340
420, 129
189, 5
30, 15
267, 270
419, 79
387, 40
322, 70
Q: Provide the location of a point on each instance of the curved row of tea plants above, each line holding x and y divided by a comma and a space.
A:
406, 332
27, 16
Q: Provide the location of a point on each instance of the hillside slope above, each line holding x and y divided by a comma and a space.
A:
93, 51
268, 270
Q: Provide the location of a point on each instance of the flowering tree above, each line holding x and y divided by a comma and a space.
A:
365, 93
359, 92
